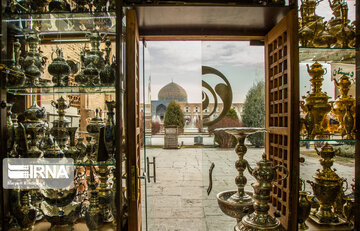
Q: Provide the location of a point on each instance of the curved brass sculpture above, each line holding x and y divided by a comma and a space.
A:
224, 91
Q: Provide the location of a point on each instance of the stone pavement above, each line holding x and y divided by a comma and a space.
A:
178, 200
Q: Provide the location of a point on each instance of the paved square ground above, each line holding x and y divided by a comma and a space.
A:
178, 200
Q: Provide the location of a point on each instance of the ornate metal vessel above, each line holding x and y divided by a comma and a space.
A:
343, 107
238, 203
34, 62
62, 218
339, 25
92, 215
311, 25
326, 187
316, 104
16, 76
26, 213
50, 147
72, 151
59, 129
81, 147
107, 74
110, 127
304, 207
265, 174
94, 126
59, 69
95, 55
91, 75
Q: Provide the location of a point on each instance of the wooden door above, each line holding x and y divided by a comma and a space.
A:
282, 115
133, 121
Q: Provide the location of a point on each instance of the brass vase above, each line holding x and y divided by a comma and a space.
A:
343, 107
260, 219
94, 126
349, 210
326, 187
316, 103
72, 151
304, 208
34, 151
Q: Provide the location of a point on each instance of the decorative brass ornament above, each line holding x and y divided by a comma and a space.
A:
72, 151
92, 215
304, 207
343, 108
34, 62
265, 175
26, 213
59, 69
339, 25
107, 74
313, 32
326, 187
94, 126
311, 25
316, 104
110, 127
222, 90
238, 203
15, 74
59, 129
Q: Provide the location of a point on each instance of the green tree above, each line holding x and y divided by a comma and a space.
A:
174, 115
232, 114
254, 112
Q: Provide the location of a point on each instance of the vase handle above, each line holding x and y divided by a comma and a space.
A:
286, 172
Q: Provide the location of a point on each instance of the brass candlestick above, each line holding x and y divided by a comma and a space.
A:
260, 220
238, 203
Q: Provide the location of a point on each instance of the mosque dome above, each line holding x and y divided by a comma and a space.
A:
172, 91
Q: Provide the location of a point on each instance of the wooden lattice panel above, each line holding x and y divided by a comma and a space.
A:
282, 116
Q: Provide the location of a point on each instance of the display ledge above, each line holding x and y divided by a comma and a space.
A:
9, 16
95, 165
50, 90
329, 140
329, 55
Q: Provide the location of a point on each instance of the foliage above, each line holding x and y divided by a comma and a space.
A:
254, 112
232, 114
174, 115
345, 150
224, 139
155, 127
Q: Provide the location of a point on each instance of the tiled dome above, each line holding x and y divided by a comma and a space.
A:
172, 91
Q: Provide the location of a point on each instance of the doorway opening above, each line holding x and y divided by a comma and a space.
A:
174, 71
